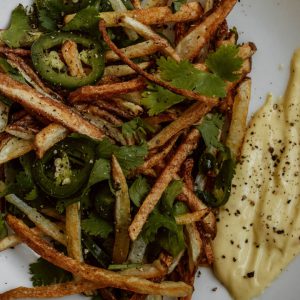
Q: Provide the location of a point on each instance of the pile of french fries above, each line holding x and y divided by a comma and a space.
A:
49, 116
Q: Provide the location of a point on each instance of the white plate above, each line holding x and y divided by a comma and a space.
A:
274, 27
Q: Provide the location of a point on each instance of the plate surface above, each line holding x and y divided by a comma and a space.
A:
274, 27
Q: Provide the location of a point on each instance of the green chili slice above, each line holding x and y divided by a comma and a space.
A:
57, 74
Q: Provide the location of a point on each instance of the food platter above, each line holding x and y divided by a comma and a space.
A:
272, 25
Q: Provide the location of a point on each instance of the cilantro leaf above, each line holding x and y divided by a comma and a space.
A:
176, 4
139, 190
17, 33
96, 226
45, 273
12, 72
170, 194
136, 128
129, 157
3, 228
100, 172
181, 75
210, 129
157, 99
225, 62
85, 20
164, 230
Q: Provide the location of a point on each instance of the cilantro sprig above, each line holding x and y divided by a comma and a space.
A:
223, 66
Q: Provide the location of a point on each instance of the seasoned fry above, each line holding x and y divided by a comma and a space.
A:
71, 57
103, 114
92, 93
51, 291
189, 117
187, 170
146, 32
137, 50
190, 46
46, 226
47, 107
13, 147
150, 77
28, 73
101, 276
189, 144
238, 123
189, 218
123, 70
194, 245
73, 231
155, 15
50, 212
48, 137
17, 51
122, 213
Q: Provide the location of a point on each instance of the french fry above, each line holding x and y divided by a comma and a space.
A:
73, 231
16, 51
51, 212
189, 144
119, 6
194, 245
155, 15
46, 226
150, 77
122, 213
136, 4
138, 50
189, 218
12, 147
189, 117
48, 137
146, 32
123, 70
31, 77
187, 170
51, 291
161, 118
92, 93
71, 57
98, 275
103, 114
47, 107
238, 123
190, 46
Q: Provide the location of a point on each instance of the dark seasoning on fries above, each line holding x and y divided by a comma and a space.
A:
119, 137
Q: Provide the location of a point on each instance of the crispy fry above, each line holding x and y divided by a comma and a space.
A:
101, 276
92, 93
155, 15
73, 231
46, 226
122, 213
51, 291
238, 123
123, 70
189, 218
146, 32
190, 46
194, 245
16, 51
71, 57
189, 117
29, 74
150, 77
189, 144
47, 107
187, 170
138, 50
13, 147
103, 114
48, 137
158, 157
51, 212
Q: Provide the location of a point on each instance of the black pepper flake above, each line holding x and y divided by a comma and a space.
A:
250, 274
214, 289
234, 259
223, 256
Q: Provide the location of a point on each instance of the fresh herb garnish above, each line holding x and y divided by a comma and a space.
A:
139, 190
96, 226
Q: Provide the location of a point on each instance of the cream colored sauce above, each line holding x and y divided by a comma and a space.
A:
259, 227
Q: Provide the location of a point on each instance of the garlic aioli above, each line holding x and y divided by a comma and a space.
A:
259, 227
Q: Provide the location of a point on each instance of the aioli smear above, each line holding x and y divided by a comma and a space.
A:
259, 228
